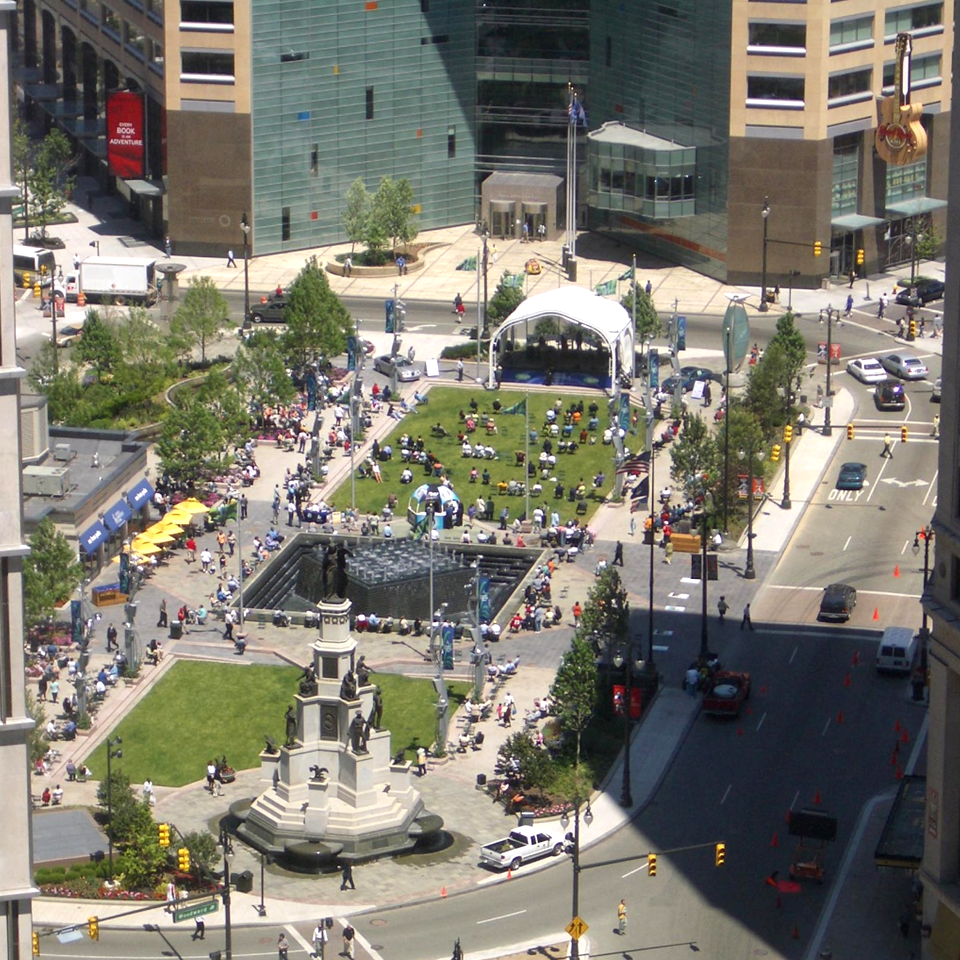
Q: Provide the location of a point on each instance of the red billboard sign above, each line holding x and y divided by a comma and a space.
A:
126, 134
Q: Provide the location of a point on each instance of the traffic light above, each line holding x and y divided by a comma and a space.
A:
775, 453
35, 940
163, 834
913, 330
904, 433
183, 860
817, 248
860, 257
850, 431
651, 864
721, 854
93, 928
788, 433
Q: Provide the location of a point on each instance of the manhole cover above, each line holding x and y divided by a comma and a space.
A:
816, 553
378, 923
267, 940
376, 946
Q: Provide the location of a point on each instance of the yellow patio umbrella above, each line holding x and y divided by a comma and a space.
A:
181, 518
193, 505
164, 526
145, 547
157, 537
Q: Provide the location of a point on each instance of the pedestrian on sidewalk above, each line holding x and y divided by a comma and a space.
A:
882, 305
231, 542
801, 423
848, 310
852, 276
320, 937
231, 261
243, 506
633, 526
55, 683
199, 930
112, 638
937, 325
348, 941
282, 947
422, 759
622, 917
746, 621
460, 370
935, 432
722, 608
668, 552
346, 874
618, 554
162, 619
887, 447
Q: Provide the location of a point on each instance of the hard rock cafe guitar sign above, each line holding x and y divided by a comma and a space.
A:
900, 137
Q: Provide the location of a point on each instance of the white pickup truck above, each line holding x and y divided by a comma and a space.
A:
523, 843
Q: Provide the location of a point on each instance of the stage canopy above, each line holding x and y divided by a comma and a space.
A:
605, 319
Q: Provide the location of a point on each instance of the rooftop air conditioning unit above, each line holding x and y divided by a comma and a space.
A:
63, 452
46, 481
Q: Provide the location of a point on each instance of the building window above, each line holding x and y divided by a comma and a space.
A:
846, 175
849, 86
209, 66
451, 142
315, 160
608, 52
90, 10
853, 34
155, 10
206, 12
924, 72
110, 22
156, 56
369, 103
906, 182
285, 223
926, 17
777, 37
776, 91
134, 40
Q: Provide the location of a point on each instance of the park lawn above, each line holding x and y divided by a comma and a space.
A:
445, 404
203, 710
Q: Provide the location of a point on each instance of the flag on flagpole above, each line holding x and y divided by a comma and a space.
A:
606, 288
639, 464
520, 408
640, 494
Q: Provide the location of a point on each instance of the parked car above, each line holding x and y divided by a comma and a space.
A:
867, 370
407, 372
726, 692
936, 390
272, 310
889, 395
522, 845
921, 293
852, 476
905, 366
838, 602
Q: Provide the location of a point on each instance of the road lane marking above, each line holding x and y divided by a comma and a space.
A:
292, 933
659, 648
826, 727
760, 724
632, 872
679, 596
793, 655
674, 609
847, 544
796, 797
932, 487
663, 633
503, 916
726, 793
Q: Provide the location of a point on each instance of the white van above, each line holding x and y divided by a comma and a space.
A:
897, 650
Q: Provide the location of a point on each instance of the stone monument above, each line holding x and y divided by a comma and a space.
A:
332, 792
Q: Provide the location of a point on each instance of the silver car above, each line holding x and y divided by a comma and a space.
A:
406, 371
905, 366
867, 370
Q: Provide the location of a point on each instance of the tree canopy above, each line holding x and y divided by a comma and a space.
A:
51, 572
201, 316
649, 326
575, 690
318, 323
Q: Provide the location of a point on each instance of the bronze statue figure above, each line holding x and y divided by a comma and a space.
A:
363, 672
341, 571
376, 714
348, 689
328, 572
358, 734
308, 682
291, 718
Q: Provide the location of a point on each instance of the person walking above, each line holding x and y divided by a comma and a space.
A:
421, 761
937, 325
852, 276
346, 875
199, 930
347, 266
168, 247
722, 608
622, 917
162, 620
231, 542
55, 683
348, 941
460, 370
283, 947
231, 261
848, 309
319, 938
882, 305
887, 447
243, 506
935, 432
112, 638
633, 526
746, 621
618, 554
668, 552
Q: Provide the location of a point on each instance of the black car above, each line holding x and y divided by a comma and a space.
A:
687, 378
838, 602
921, 293
889, 395
272, 310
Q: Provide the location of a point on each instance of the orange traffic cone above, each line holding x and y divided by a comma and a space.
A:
905, 738
816, 797
796, 932
846, 680
775, 842
443, 893
876, 613
787, 818
840, 716
856, 658
509, 874
899, 773
739, 731
896, 570
896, 726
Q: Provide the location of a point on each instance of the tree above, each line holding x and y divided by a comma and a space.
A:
575, 689
51, 572
49, 184
191, 442
770, 388
606, 614
202, 847
221, 397
318, 323
38, 744
391, 210
22, 156
142, 342
201, 315
744, 432
695, 458
142, 859
357, 212
261, 371
506, 298
649, 326
99, 345
533, 766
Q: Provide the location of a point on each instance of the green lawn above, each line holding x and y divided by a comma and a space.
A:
201, 710
444, 407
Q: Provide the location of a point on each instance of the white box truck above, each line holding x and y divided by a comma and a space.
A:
119, 280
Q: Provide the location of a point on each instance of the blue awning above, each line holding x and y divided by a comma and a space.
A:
140, 495
93, 538
117, 516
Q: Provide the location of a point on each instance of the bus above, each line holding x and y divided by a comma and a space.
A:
31, 263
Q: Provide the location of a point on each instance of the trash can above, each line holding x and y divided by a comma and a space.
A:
481, 779
176, 630
243, 881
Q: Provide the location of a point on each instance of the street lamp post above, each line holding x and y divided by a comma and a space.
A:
111, 755
765, 213
704, 630
828, 397
245, 227
749, 571
926, 535
565, 822
786, 502
226, 845
626, 795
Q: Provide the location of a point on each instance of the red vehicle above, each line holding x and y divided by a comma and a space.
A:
725, 693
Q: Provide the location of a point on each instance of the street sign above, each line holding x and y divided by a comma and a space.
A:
68, 936
576, 928
192, 910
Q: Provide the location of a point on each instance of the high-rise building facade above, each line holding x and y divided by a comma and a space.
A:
702, 111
